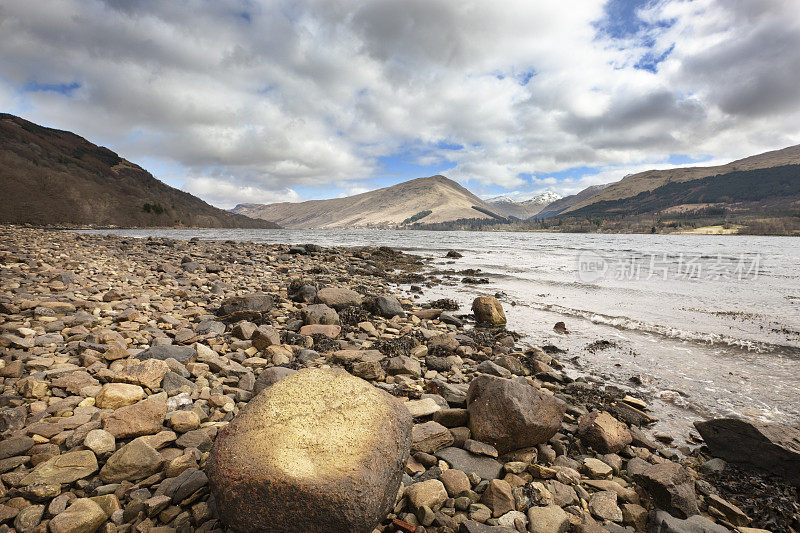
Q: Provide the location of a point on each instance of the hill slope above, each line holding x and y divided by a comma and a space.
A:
559, 206
424, 200
54, 177
652, 179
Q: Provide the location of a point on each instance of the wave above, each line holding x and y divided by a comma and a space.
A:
630, 324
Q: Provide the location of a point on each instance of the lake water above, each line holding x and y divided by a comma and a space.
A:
709, 325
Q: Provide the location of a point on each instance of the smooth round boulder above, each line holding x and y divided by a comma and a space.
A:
320, 450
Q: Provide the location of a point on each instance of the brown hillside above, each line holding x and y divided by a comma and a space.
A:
53, 177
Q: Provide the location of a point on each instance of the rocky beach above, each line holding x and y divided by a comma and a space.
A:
160, 385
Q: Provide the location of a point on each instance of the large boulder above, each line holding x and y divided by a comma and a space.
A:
386, 306
510, 414
603, 432
488, 311
772, 447
320, 450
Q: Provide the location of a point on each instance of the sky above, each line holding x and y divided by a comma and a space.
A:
265, 101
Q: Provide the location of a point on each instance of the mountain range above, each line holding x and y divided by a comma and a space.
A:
54, 177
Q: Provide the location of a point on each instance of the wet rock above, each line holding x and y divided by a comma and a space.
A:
671, 487
510, 415
772, 447
603, 432
311, 438
488, 311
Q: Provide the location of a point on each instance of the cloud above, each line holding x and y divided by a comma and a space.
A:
259, 99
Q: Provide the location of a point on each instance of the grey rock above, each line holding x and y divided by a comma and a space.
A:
484, 467
179, 353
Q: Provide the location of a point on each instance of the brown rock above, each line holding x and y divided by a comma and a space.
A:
329, 330
136, 460
265, 336
323, 450
148, 373
143, 418
83, 516
498, 498
488, 311
603, 432
338, 298
671, 487
455, 482
510, 415
64, 468
116, 395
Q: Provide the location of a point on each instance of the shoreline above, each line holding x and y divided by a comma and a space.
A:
79, 308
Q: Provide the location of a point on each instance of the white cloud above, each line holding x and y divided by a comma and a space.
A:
261, 98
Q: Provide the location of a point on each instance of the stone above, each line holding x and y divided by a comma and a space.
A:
319, 314
488, 311
484, 467
471, 526
181, 354
430, 493
254, 303
183, 421
452, 417
732, 513
455, 482
63, 469
28, 518
670, 486
116, 395
404, 365
596, 469
603, 505
148, 373
509, 414
663, 522
338, 297
15, 446
430, 437
603, 432
771, 447
324, 450
497, 497
423, 407
270, 376
184, 485
493, 369
480, 448
547, 519
100, 441
243, 330
143, 418
136, 460
387, 306
83, 516
329, 330
265, 336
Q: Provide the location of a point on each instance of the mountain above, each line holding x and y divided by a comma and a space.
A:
773, 192
650, 180
54, 177
522, 209
424, 200
563, 204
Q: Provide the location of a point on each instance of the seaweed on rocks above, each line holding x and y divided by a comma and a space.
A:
446, 304
352, 315
397, 346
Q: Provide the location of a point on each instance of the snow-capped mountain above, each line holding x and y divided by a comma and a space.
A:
523, 209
